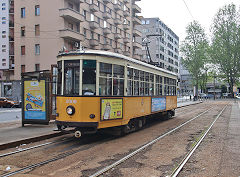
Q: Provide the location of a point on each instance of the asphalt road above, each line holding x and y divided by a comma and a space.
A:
10, 114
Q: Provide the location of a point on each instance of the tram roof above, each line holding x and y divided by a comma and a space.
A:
112, 54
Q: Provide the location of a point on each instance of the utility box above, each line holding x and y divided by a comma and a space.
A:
36, 97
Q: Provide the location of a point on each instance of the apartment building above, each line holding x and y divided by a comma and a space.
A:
43, 28
163, 44
6, 40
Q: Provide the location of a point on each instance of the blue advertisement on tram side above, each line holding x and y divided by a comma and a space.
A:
158, 104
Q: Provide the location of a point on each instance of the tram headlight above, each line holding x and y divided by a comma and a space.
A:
70, 110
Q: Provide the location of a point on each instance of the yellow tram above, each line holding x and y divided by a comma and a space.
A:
99, 89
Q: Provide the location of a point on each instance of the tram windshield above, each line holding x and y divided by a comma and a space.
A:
71, 76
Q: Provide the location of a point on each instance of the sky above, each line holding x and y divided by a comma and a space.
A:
176, 16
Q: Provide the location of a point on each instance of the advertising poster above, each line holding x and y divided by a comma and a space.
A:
111, 109
158, 104
34, 100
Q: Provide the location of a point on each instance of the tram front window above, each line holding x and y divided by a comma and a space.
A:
71, 75
89, 77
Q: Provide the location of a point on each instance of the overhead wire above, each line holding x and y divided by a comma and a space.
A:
188, 9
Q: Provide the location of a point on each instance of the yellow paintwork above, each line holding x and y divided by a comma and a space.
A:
171, 102
132, 107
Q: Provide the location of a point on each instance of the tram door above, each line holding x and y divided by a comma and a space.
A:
89, 77
53, 93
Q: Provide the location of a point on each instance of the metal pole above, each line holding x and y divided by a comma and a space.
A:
214, 87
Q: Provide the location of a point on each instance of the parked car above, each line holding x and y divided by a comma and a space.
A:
8, 103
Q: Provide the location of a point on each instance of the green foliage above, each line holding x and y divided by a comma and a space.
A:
225, 48
194, 49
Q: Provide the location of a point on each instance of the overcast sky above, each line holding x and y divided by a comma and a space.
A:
175, 15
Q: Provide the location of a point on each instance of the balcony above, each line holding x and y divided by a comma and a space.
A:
93, 42
117, 36
106, 31
11, 11
135, 56
126, 40
118, 50
126, 53
107, 1
93, 8
117, 21
106, 15
136, 8
137, 33
117, 7
126, 26
93, 25
106, 47
77, 1
11, 24
71, 35
136, 20
126, 13
11, 39
136, 45
71, 14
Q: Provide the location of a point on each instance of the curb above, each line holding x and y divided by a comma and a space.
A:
190, 104
30, 140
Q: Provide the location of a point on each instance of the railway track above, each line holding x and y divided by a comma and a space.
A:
34, 147
107, 168
178, 169
71, 152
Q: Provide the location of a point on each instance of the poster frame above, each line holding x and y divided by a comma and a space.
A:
35, 121
159, 97
101, 108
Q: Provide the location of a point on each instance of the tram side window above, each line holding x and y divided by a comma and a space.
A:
89, 77
59, 78
105, 79
130, 81
158, 85
146, 83
142, 82
71, 77
136, 82
118, 80
151, 84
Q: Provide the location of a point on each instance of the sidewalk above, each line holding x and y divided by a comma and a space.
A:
12, 134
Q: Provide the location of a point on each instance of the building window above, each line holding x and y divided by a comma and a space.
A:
23, 31
37, 67
84, 32
99, 37
104, 24
147, 22
84, 14
3, 36
92, 17
23, 50
37, 49
37, 30
70, 26
4, 8
23, 68
23, 13
92, 35
37, 10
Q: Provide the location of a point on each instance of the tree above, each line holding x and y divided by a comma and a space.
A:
225, 48
194, 48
